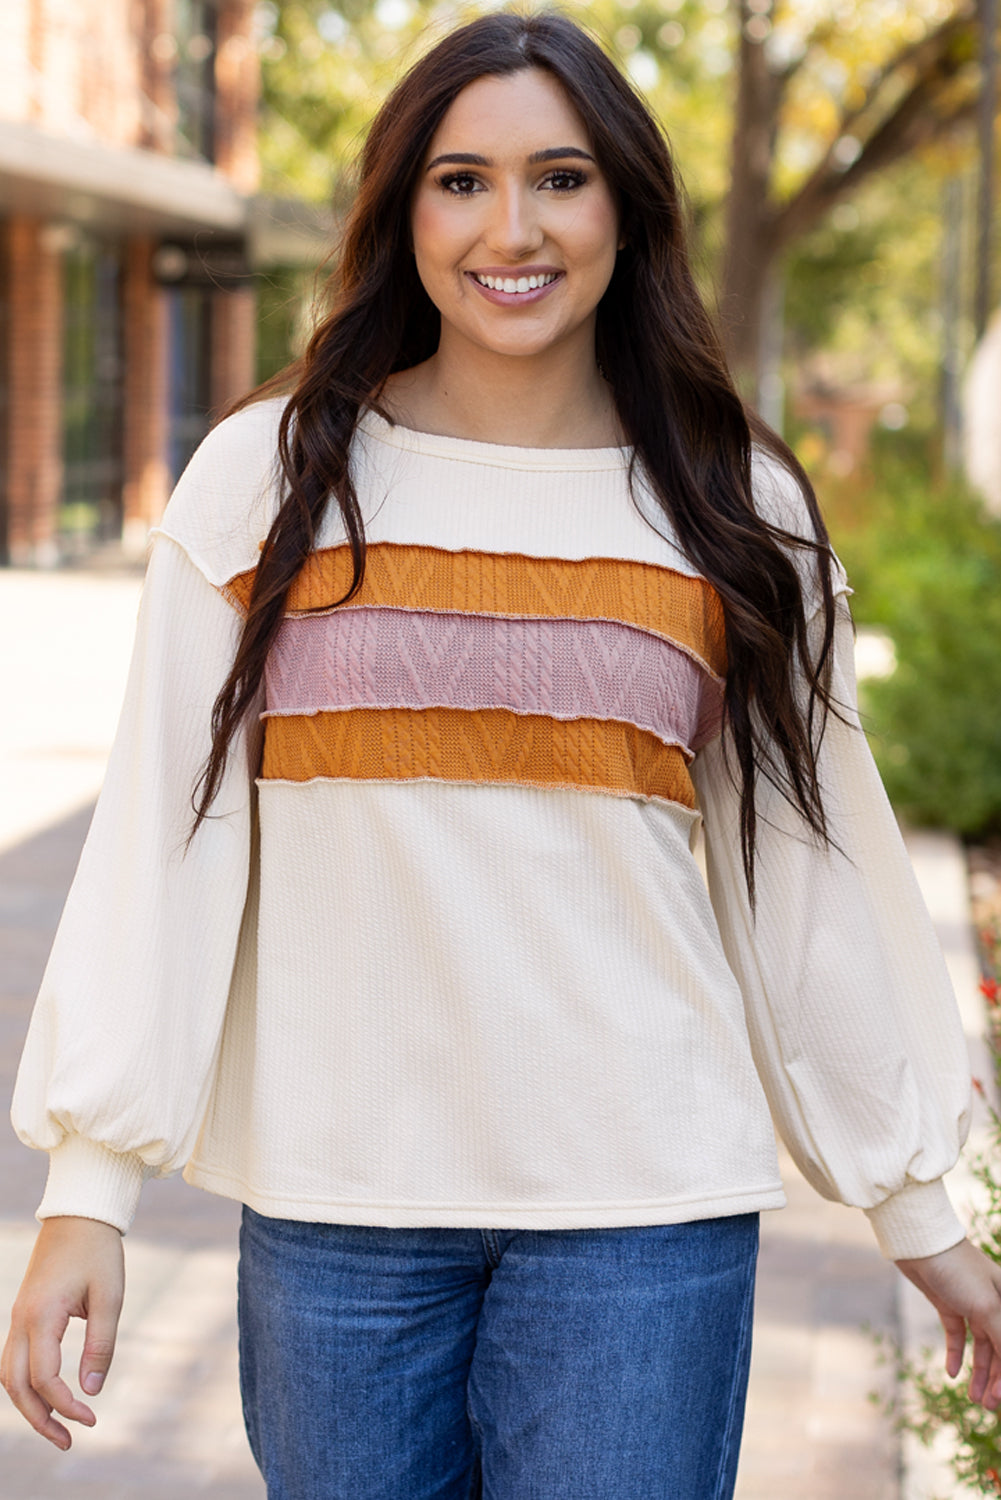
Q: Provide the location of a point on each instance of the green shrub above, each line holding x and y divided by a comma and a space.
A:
926, 567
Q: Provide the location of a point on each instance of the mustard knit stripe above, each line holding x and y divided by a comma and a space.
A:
681, 609
481, 745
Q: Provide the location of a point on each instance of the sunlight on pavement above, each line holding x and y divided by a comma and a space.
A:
61, 688
169, 1421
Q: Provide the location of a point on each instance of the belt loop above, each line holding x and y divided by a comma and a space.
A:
491, 1246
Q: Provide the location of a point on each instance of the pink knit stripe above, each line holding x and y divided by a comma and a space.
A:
565, 669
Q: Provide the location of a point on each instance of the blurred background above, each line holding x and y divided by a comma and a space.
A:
172, 177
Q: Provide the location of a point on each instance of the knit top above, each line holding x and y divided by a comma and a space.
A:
443, 953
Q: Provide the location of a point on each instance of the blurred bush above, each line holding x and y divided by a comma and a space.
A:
924, 559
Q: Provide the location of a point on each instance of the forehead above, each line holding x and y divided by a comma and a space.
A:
511, 115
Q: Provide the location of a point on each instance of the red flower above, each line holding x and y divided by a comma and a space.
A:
991, 990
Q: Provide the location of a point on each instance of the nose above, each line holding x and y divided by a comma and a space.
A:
514, 229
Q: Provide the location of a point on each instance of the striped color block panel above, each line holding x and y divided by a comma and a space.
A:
599, 675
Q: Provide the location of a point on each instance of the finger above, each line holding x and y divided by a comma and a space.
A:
44, 1360
17, 1384
986, 1330
980, 1373
103, 1312
985, 1382
991, 1396
955, 1342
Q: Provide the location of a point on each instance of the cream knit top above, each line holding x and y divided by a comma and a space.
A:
443, 954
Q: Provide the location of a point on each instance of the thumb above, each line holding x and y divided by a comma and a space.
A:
103, 1312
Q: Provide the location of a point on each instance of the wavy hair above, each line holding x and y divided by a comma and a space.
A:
656, 345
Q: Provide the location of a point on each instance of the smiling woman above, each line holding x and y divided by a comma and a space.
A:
515, 236
453, 634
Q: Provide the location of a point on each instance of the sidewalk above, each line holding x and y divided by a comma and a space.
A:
169, 1423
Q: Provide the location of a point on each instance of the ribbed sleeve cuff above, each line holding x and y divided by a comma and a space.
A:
87, 1181
917, 1221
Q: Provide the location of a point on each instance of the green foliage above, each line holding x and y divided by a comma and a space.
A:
864, 286
327, 67
929, 1404
824, 275
926, 567
285, 298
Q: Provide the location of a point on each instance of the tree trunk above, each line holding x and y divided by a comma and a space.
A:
758, 229
750, 241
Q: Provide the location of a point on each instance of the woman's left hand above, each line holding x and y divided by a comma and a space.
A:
964, 1287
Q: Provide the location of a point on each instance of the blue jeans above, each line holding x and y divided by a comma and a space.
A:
581, 1364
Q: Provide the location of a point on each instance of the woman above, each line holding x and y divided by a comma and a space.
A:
446, 1003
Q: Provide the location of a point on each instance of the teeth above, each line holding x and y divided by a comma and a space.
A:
515, 284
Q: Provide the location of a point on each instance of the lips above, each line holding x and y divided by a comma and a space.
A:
530, 285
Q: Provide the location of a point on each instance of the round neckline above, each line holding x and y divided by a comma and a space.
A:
502, 455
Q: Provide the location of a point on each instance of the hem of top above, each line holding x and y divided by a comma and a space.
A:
487, 1216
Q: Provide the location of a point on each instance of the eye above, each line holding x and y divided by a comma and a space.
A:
564, 180
459, 184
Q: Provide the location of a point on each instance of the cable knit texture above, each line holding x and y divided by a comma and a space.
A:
445, 956
567, 669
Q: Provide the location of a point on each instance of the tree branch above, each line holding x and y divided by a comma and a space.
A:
922, 114
923, 54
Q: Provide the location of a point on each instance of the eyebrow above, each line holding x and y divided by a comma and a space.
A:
471, 159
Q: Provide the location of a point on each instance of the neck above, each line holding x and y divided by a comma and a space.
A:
552, 400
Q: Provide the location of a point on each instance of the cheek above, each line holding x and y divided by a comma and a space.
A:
596, 232
435, 235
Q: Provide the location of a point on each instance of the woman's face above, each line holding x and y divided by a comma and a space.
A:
515, 228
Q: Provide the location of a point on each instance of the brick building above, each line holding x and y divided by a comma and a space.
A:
127, 171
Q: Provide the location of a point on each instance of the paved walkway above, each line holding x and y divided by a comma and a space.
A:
169, 1422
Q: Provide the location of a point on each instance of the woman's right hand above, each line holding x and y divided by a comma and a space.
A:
77, 1270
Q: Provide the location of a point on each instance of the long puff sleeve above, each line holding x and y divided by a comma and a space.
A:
119, 1057
853, 1024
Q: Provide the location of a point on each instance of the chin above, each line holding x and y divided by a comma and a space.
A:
523, 347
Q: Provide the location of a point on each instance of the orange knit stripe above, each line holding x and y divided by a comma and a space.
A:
481, 745
673, 605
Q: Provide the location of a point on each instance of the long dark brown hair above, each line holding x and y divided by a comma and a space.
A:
656, 345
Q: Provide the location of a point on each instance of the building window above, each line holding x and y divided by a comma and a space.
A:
190, 344
4, 378
93, 365
196, 32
